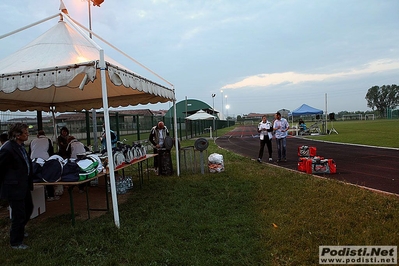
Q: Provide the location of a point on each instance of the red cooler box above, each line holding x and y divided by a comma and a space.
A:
302, 163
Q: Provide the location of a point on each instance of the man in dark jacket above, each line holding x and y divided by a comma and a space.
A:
16, 182
157, 137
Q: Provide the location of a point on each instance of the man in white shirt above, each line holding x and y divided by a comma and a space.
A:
41, 147
265, 129
75, 148
280, 127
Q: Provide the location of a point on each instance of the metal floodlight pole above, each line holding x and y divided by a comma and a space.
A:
213, 110
227, 111
88, 5
222, 103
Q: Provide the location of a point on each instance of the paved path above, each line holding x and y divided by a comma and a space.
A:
376, 168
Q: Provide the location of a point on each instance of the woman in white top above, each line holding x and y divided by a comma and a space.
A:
265, 129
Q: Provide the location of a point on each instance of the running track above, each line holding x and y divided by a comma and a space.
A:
371, 167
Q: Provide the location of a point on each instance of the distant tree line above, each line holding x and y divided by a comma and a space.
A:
383, 98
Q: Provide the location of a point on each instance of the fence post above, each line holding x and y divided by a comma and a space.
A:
117, 126
39, 120
88, 139
179, 126
138, 127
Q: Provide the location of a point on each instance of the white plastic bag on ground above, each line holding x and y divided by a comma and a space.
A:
215, 163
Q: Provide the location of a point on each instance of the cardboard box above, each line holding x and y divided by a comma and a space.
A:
39, 201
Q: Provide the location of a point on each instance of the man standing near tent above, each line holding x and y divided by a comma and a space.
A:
103, 140
265, 130
16, 182
280, 127
157, 137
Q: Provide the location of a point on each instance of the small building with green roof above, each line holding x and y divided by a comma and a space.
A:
188, 107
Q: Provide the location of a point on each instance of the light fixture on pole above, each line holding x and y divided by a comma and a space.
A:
227, 114
97, 2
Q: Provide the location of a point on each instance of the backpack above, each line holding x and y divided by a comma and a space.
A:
119, 159
96, 158
128, 153
37, 164
51, 170
70, 172
88, 168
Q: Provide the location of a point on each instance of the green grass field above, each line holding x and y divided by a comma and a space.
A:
250, 214
383, 132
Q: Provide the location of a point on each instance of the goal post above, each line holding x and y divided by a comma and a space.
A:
352, 117
369, 117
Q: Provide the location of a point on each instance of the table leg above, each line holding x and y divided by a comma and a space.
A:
106, 195
87, 200
70, 191
106, 191
139, 174
148, 173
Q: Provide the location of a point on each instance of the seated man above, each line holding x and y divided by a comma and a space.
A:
75, 148
302, 125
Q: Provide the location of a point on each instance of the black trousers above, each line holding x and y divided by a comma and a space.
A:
268, 143
20, 215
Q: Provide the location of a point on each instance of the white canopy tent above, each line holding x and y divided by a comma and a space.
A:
65, 70
200, 115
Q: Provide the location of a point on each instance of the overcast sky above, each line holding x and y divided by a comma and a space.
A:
264, 55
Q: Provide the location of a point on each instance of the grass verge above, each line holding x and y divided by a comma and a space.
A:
382, 132
251, 214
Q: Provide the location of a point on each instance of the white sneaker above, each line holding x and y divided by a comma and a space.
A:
58, 190
270, 159
20, 246
53, 198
